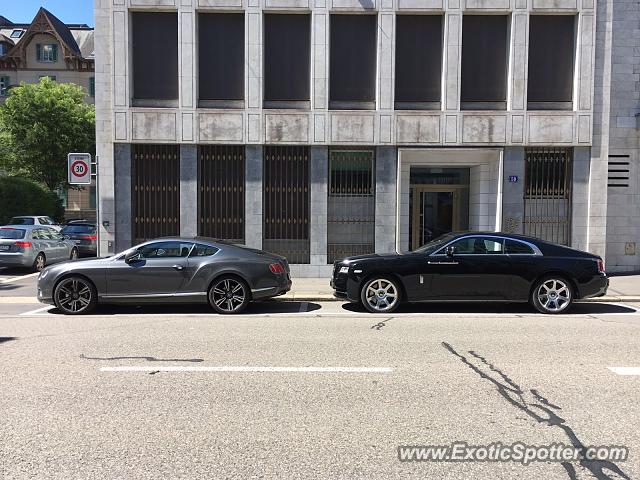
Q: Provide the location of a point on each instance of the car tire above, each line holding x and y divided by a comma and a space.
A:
381, 294
229, 295
74, 254
40, 262
552, 294
75, 296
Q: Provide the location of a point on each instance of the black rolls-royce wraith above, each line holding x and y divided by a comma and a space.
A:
473, 267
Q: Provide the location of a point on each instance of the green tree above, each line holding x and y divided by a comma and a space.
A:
44, 122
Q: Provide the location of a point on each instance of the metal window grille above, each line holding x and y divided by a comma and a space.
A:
221, 192
155, 178
351, 204
547, 196
286, 202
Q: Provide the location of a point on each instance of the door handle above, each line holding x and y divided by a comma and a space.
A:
178, 267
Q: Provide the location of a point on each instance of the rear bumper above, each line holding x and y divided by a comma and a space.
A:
596, 287
15, 260
283, 286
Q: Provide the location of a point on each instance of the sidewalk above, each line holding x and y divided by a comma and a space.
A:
623, 288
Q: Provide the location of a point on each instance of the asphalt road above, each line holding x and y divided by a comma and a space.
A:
350, 388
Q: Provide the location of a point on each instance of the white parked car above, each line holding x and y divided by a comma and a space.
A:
35, 220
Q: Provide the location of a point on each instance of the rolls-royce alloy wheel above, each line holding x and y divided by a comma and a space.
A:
380, 295
229, 295
552, 295
75, 296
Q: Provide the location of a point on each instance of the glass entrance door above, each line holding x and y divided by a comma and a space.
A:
436, 210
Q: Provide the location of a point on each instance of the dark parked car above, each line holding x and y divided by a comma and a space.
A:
168, 270
84, 235
473, 266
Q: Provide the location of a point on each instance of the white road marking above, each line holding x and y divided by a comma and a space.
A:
17, 279
625, 370
38, 310
250, 369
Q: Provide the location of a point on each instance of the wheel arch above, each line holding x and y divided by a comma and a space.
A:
558, 273
74, 274
230, 273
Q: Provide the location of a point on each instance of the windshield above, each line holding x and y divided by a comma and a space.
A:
21, 221
11, 233
435, 244
89, 229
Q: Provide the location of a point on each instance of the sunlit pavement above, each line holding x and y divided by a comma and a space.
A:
310, 389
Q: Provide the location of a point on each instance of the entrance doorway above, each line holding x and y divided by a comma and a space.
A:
439, 203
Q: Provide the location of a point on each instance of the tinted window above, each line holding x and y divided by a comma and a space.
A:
511, 246
154, 48
203, 250
45, 221
43, 234
71, 229
287, 45
484, 59
551, 52
11, 233
418, 60
478, 246
166, 250
353, 61
221, 56
21, 221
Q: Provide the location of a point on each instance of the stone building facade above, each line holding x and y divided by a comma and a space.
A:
324, 128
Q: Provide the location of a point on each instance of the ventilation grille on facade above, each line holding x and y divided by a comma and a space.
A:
618, 171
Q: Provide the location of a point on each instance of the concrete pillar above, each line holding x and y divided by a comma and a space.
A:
513, 192
253, 72
519, 56
122, 192
385, 63
319, 173
188, 190
320, 33
253, 196
453, 56
580, 198
386, 199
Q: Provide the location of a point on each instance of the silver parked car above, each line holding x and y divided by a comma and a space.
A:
37, 220
34, 246
168, 270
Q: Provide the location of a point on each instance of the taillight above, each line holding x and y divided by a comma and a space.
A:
88, 237
22, 244
276, 268
600, 265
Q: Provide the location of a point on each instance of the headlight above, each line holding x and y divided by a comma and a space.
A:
43, 274
344, 269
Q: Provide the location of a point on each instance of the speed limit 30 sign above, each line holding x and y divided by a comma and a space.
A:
79, 168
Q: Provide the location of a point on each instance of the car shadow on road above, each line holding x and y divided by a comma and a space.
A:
587, 308
7, 339
254, 308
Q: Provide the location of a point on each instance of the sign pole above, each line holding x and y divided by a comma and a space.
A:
98, 225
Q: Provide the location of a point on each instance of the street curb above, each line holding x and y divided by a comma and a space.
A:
329, 298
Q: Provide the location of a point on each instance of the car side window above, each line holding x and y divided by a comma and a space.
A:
166, 250
56, 236
45, 234
517, 248
204, 250
35, 234
478, 246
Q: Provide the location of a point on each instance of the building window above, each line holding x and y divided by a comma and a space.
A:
63, 195
287, 202
3, 48
154, 49
53, 78
4, 86
92, 86
17, 33
551, 62
221, 60
287, 67
221, 192
351, 205
418, 61
484, 62
47, 53
547, 193
352, 76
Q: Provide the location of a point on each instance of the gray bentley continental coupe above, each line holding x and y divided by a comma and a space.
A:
168, 270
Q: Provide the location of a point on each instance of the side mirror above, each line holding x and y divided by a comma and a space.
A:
450, 251
132, 256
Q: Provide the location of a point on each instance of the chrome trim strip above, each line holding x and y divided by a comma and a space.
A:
442, 263
158, 295
257, 290
536, 250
